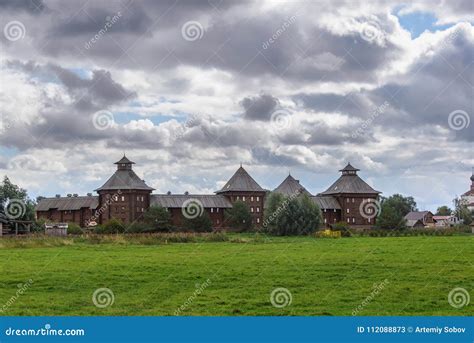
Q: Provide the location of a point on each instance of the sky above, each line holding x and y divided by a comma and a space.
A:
191, 89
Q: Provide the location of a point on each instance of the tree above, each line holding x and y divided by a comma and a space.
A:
15, 201
157, 218
273, 206
292, 215
390, 217
201, 223
461, 211
239, 216
402, 205
443, 211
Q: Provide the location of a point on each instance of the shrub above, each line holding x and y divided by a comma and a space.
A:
74, 229
201, 223
114, 225
239, 216
294, 216
138, 227
343, 227
158, 219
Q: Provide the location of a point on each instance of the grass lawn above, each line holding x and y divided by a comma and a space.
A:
324, 277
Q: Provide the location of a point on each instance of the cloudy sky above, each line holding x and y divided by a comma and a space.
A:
190, 89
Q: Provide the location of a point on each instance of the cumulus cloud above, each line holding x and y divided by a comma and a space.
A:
355, 85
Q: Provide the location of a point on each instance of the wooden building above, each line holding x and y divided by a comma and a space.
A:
126, 196
352, 193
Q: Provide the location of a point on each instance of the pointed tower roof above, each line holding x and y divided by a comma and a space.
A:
349, 168
349, 183
124, 178
241, 181
124, 160
290, 186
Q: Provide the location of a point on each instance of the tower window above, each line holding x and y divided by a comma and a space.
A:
258, 209
347, 210
251, 209
258, 198
243, 198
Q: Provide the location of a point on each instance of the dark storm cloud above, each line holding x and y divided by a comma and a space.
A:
259, 107
96, 92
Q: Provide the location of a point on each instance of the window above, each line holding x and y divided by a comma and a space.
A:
212, 209
347, 210
348, 220
143, 210
324, 210
258, 220
325, 220
353, 219
143, 199
258, 209
123, 198
217, 209
251, 209
334, 210
251, 198
243, 198
237, 197
368, 220
123, 208
258, 198
347, 200
353, 200
138, 198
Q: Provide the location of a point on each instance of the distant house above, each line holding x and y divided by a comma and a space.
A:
415, 223
468, 197
425, 217
444, 221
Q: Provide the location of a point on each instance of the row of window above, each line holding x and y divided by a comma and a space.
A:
353, 200
244, 198
354, 220
122, 197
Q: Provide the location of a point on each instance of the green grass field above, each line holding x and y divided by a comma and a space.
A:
324, 276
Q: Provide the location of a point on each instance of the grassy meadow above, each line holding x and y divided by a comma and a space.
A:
235, 275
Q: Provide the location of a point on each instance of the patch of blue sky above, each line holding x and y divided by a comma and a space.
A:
418, 22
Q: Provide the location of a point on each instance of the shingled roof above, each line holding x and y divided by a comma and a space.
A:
68, 203
326, 202
241, 181
124, 178
349, 183
290, 186
177, 200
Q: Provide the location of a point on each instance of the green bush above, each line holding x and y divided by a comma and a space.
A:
201, 223
239, 216
139, 227
343, 227
114, 225
158, 219
74, 229
289, 216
